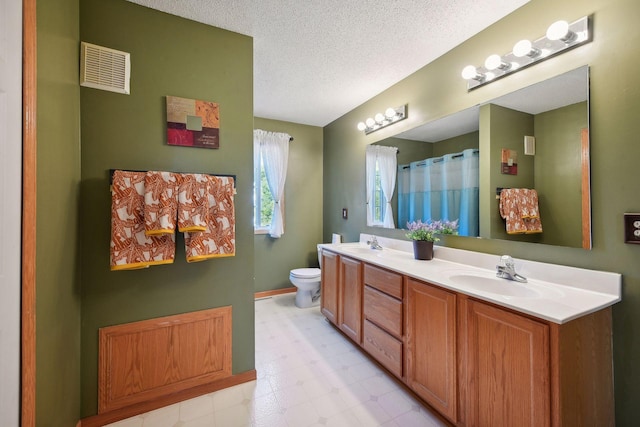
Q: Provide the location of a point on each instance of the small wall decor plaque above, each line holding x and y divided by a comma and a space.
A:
509, 162
193, 123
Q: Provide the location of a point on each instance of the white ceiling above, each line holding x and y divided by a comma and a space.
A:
314, 61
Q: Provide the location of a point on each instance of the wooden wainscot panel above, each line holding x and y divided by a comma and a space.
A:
146, 360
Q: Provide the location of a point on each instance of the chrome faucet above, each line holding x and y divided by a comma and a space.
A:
507, 270
373, 243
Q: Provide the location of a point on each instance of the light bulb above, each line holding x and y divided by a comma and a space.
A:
390, 113
495, 61
559, 30
525, 48
379, 117
362, 126
492, 62
370, 122
469, 72
522, 48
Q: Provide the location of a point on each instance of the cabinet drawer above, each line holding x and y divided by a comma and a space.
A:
383, 310
383, 347
383, 280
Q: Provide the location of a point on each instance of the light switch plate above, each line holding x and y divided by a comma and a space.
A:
345, 213
632, 228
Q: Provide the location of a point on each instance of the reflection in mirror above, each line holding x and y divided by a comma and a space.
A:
443, 188
555, 113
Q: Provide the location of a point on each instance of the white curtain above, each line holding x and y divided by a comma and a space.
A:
274, 150
387, 163
370, 184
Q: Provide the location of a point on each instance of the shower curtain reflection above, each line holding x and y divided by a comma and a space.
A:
441, 188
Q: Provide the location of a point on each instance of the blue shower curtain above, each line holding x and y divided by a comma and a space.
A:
441, 188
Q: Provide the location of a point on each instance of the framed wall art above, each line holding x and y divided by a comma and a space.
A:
193, 123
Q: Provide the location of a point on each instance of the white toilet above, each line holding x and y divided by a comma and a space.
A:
307, 280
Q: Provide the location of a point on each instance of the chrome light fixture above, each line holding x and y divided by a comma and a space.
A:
380, 120
561, 36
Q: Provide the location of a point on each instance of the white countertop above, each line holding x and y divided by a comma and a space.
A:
553, 292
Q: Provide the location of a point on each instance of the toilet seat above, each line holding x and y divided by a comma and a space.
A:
306, 273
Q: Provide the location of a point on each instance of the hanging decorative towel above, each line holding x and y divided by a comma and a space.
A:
218, 240
131, 248
519, 209
160, 202
193, 203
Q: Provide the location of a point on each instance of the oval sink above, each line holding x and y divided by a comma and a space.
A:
384, 253
495, 285
359, 250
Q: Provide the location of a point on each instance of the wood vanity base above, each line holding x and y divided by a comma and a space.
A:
474, 362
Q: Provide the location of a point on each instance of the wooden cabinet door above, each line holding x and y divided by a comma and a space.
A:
329, 286
350, 298
431, 346
508, 368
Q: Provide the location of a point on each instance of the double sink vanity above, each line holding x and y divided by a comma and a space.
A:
478, 349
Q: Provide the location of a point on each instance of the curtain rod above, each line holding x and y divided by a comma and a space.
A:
439, 159
290, 137
111, 171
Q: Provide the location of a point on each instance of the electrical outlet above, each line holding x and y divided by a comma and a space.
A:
632, 228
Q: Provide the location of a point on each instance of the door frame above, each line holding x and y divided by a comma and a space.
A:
28, 255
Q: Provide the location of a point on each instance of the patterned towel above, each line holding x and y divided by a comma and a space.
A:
160, 202
131, 248
219, 238
519, 208
193, 202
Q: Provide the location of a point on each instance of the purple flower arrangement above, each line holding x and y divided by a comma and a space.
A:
429, 230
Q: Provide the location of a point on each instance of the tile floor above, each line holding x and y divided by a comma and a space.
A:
308, 375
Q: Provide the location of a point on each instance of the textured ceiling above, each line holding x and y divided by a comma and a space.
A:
316, 60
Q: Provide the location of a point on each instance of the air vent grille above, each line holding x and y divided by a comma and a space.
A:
104, 68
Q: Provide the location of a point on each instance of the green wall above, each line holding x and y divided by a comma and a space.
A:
274, 258
555, 171
437, 90
558, 172
169, 56
57, 249
456, 144
500, 128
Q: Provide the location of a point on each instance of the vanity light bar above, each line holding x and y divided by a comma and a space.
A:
561, 36
390, 116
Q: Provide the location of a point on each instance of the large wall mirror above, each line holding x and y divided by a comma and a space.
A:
555, 115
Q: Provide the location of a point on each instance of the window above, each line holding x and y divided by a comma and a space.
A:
381, 165
262, 198
270, 158
378, 198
